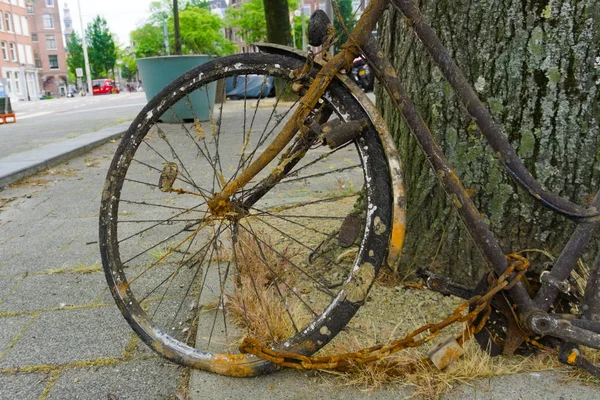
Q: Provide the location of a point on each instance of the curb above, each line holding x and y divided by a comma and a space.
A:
19, 166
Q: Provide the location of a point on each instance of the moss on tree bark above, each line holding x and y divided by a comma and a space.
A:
537, 66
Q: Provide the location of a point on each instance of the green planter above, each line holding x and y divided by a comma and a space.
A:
157, 72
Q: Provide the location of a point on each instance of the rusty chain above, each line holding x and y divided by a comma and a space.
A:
517, 267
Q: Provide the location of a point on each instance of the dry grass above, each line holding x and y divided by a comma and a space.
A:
38, 181
29, 182
409, 368
262, 302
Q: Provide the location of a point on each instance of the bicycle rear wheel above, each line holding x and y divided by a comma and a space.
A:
191, 282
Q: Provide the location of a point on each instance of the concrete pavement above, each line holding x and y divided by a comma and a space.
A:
62, 337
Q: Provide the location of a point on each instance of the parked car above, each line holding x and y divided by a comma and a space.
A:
239, 87
104, 86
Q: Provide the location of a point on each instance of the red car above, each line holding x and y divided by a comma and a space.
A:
104, 86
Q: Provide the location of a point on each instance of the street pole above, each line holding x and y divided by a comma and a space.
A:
23, 76
303, 29
85, 54
176, 26
329, 12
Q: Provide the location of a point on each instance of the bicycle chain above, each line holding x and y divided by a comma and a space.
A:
514, 273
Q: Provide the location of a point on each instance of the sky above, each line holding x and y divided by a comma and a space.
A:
122, 16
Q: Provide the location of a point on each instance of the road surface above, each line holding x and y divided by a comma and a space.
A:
48, 121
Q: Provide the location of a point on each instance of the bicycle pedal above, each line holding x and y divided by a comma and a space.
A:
445, 353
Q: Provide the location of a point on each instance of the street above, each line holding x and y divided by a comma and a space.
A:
48, 121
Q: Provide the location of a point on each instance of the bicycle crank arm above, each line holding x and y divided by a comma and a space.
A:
546, 324
443, 285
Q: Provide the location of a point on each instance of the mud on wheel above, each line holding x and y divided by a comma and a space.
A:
192, 277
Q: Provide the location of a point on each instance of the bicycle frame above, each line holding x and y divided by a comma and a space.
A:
532, 313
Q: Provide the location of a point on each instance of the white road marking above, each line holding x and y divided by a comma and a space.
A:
101, 108
26, 116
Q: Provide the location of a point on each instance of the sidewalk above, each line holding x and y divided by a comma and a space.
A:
27, 163
62, 337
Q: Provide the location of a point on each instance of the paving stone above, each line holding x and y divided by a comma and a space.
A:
66, 336
21, 386
147, 379
7, 283
48, 291
11, 327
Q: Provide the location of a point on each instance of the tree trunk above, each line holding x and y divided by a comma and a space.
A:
277, 14
535, 63
279, 30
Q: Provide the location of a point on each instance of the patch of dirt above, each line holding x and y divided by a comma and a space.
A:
33, 181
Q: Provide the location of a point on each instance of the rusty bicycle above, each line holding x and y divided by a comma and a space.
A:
270, 216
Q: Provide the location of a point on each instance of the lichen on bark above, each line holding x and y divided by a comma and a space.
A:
536, 64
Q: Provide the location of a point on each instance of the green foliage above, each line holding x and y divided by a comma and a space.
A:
201, 32
128, 68
249, 18
102, 51
199, 29
75, 57
148, 40
347, 16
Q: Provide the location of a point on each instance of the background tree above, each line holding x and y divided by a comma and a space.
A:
128, 68
348, 18
102, 51
534, 63
249, 18
149, 41
201, 32
277, 16
75, 57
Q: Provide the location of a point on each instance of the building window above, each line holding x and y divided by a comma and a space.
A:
29, 9
25, 25
34, 37
13, 53
9, 81
53, 59
1, 23
50, 42
17, 83
4, 51
38, 61
7, 22
49, 3
47, 21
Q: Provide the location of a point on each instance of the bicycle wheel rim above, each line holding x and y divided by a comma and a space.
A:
322, 329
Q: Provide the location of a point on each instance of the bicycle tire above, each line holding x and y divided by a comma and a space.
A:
168, 293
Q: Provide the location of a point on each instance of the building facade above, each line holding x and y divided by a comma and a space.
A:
48, 45
19, 76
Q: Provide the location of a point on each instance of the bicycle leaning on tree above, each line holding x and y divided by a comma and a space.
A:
269, 234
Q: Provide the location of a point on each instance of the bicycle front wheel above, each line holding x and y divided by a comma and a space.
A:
291, 257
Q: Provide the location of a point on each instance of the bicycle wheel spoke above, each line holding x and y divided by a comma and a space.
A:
191, 272
161, 223
294, 265
163, 257
328, 259
287, 310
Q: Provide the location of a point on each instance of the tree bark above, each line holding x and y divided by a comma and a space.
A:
535, 63
277, 14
